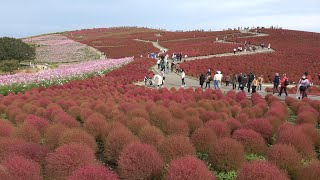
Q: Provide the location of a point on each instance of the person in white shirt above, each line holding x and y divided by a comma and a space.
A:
183, 75
157, 80
217, 79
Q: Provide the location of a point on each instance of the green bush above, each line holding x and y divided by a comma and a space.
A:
11, 48
9, 65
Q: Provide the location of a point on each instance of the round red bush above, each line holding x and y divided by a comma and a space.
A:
6, 144
307, 117
140, 161
286, 158
151, 135
261, 126
176, 127
203, 139
39, 123
174, 147
310, 172
53, 134
188, 168
219, 127
261, 170
93, 172
116, 141
312, 132
28, 133
17, 167
33, 151
6, 128
96, 124
226, 155
233, 124
67, 159
77, 136
296, 138
136, 124
252, 141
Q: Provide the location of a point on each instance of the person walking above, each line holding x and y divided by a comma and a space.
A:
163, 77
284, 83
234, 81
240, 80
260, 80
276, 81
304, 84
217, 79
255, 84
250, 79
202, 79
208, 80
183, 75
228, 78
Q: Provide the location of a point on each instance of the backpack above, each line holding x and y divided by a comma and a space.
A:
286, 82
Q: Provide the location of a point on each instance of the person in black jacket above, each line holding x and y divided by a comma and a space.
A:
202, 79
276, 81
240, 82
250, 79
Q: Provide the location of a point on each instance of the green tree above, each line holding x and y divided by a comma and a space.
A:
11, 48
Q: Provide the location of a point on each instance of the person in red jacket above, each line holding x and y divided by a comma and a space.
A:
284, 83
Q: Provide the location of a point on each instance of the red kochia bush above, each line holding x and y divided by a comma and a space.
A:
252, 141
6, 128
310, 172
96, 124
140, 161
136, 124
227, 154
151, 135
93, 172
296, 138
261, 126
286, 158
233, 124
78, 136
307, 117
175, 146
68, 158
39, 123
261, 170
28, 133
219, 127
53, 134
203, 139
116, 141
33, 151
312, 132
188, 168
17, 167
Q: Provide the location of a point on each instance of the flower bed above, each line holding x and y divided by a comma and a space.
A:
56, 48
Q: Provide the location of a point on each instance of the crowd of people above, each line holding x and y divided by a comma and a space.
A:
248, 47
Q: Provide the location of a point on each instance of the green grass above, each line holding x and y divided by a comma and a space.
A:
292, 117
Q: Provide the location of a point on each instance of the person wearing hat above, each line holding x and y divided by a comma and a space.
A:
303, 86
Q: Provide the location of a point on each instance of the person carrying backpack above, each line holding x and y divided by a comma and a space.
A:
284, 84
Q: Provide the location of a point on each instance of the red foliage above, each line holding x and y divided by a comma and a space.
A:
188, 168
53, 134
33, 151
177, 127
28, 133
90, 172
17, 167
261, 126
116, 141
226, 155
308, 117
233, 124
310, 172
175, 146
136, 124
261, 170
77, 136
95, 124
286, 158
151, 135
252, 141
67, 159
194, 122
203, 139
140, 161
6, 128
312, 132
295, 137
6, 144
220, 128
66, 120
39, 123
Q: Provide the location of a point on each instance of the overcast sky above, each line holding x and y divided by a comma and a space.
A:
21, 18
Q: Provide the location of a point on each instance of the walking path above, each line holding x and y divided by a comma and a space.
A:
173, 79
